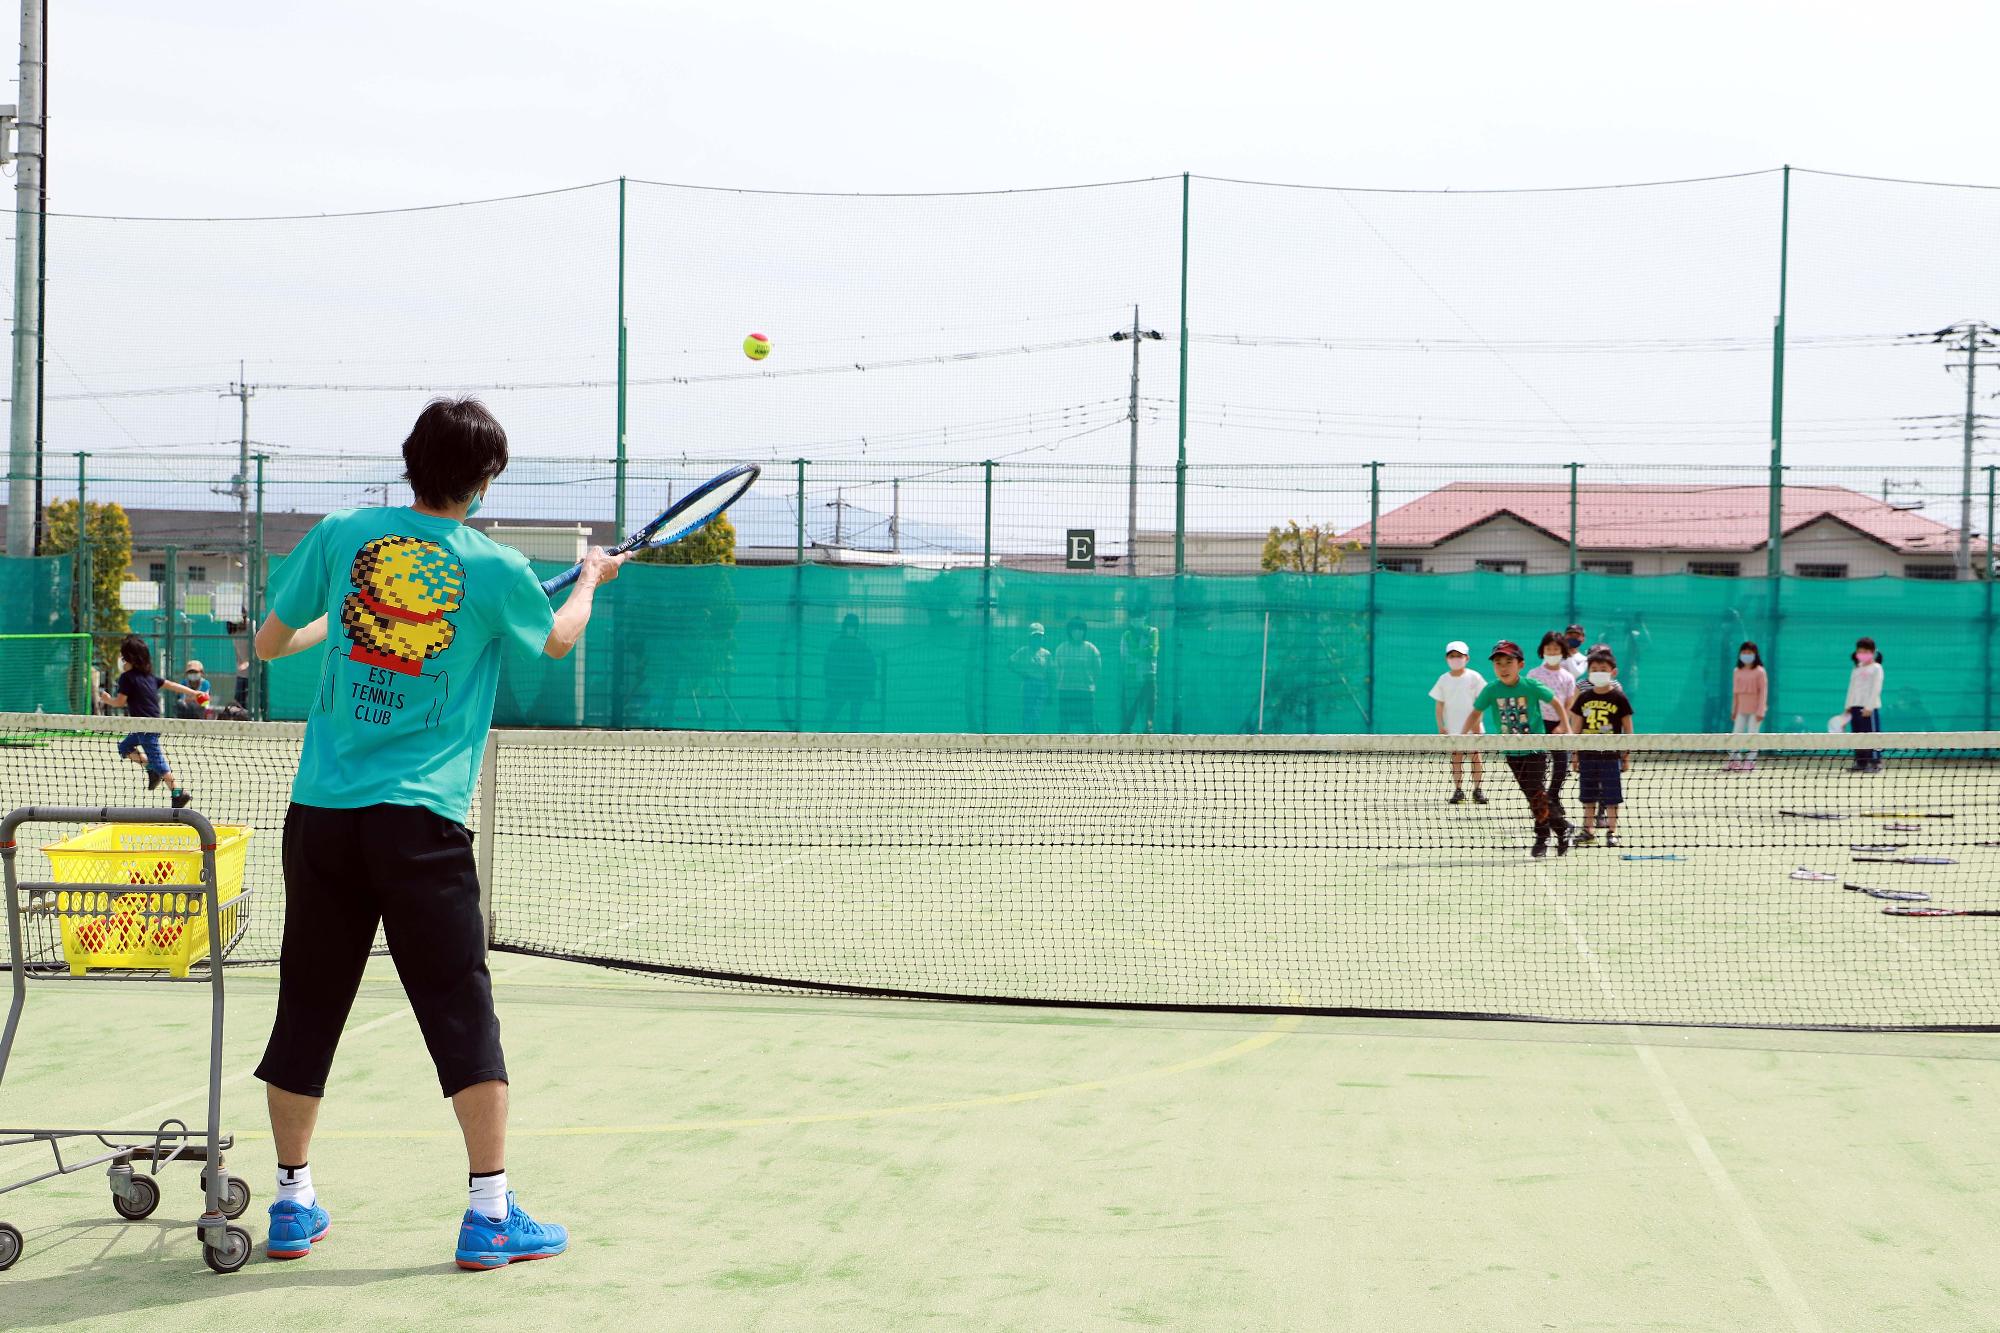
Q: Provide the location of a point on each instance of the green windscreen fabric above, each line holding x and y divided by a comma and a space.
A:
35, 595
726, 648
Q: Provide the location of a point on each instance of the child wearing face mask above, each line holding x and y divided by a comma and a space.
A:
1555, 673
1453, 693
1601, 709
1749, 698
1864, 701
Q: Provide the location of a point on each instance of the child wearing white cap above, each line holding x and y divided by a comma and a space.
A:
1454, 692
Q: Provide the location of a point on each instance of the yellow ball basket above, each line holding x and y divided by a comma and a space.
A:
150, 926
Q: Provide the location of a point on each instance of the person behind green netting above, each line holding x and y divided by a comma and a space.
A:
850, 675
1076, 663
1031, 663
1139, 655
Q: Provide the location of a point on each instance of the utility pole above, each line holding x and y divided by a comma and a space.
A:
896, 514
1972, 337
1135, 336
24, 427
239, 485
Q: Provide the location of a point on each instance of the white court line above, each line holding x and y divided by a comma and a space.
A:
1776, 1275
142, 1116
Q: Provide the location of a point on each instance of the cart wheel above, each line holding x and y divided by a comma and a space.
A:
10, 1246
236, 1199
232, 1254
145, 1198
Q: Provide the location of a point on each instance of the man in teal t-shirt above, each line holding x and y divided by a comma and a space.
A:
1514, 702
409, 611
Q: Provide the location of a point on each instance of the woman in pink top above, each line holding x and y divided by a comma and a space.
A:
1749, 697
1552, 673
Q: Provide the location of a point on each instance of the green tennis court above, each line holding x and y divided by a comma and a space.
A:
736, 1161
733, 1155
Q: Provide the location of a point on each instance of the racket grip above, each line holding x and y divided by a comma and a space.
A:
562, 580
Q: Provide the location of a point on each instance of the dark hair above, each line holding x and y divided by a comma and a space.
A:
1602, 653
138, 657
1552, 637
1751, 648
455, 448
850, 621
1864, 642
1075, 624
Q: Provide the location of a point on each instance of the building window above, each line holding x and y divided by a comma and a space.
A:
1607, 566
1812, 571
1717, 569
197, 574
1502, 566
156, 572
1400, 565
1940, 572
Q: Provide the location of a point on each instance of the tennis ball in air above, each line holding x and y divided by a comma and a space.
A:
756, 347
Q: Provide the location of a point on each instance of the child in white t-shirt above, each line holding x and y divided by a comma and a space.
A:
1454, 692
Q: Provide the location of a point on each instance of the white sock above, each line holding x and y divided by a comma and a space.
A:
295, 1185
489, 1194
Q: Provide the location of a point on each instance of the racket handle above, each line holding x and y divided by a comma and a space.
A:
562, 580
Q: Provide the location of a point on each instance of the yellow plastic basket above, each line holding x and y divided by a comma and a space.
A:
152, 927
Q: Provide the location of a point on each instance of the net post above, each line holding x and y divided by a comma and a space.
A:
1374, 605
489, 803
619, 462
1180, 463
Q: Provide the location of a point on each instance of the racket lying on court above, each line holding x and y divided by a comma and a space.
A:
1893, 895
1941, 911
1812, 814
1909, 860
682, 518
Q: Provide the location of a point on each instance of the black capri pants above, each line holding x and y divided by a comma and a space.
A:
411, 871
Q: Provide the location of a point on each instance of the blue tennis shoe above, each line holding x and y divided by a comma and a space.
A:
295, 1229
484, 1243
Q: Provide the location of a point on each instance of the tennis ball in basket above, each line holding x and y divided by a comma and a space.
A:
756, 347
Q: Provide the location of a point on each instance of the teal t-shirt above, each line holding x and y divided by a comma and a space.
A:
1515, 710
417, 611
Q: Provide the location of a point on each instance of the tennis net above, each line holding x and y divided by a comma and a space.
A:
1317, 874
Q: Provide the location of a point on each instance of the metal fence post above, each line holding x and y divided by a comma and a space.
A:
1986, 639
253, 610
798, 606
170, 614
1180, 465
986, 613
1775, 555
619, 468
86, 617
1573, 617
1374, 573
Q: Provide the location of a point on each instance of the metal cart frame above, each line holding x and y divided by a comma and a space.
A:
224, 1247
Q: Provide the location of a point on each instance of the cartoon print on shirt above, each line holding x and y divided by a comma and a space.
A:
396, 620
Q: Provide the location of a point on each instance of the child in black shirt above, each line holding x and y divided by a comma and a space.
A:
139, 695
1601, 709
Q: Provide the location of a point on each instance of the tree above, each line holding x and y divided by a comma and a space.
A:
1312, 549
109, 533
714, 543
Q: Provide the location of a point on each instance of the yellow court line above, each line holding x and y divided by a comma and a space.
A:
1279, 1027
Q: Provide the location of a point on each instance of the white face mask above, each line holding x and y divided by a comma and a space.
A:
1552, 659
1455, 663
1747, 659
1600, 678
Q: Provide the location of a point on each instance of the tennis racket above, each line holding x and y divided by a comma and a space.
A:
1812, 814
1894, 895
1909, 860
1876, 846
685, 516
1941, 911
1653, 856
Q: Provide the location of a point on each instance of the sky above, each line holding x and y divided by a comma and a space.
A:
1438, 334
